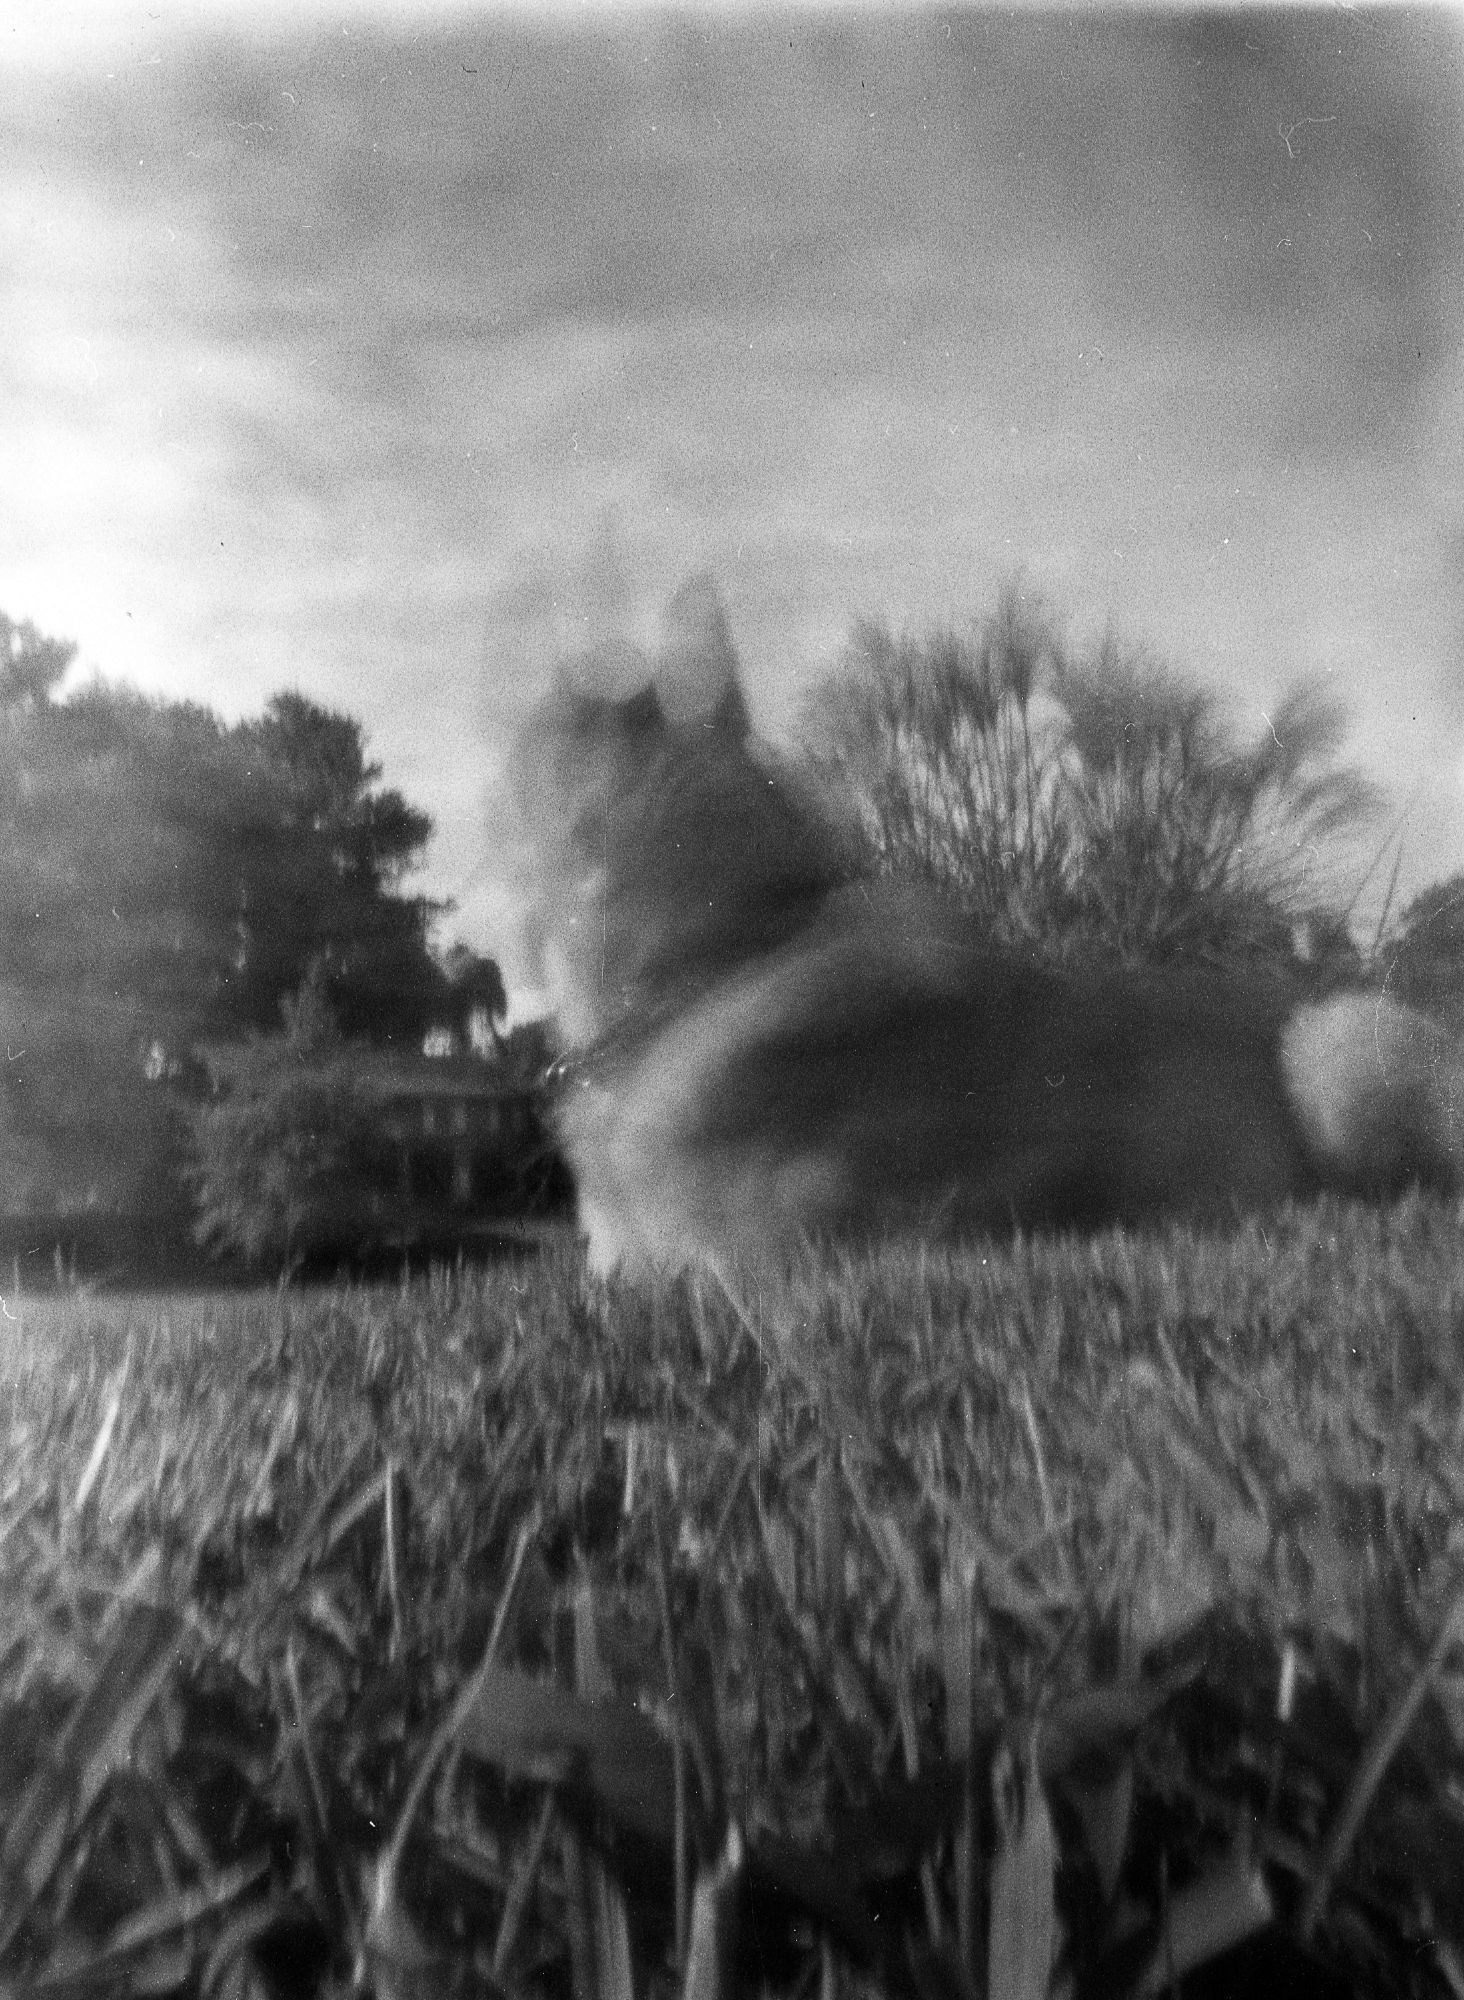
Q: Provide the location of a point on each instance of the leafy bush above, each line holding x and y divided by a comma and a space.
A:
284, 1140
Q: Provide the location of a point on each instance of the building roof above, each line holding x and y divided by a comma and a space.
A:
453, 1077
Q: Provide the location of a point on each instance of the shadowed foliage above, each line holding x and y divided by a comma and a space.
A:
167, 879
278, 1147
1424, 955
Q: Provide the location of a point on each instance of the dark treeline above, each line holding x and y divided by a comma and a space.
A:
167, 882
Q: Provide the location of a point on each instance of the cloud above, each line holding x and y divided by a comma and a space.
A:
395, 362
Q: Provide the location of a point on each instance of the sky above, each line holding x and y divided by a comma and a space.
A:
388, 355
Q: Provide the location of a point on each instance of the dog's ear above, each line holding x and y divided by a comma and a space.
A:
696, 663
730, 717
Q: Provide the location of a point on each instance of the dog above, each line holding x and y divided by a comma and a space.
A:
767, 1044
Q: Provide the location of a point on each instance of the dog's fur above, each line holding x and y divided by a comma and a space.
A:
767, 1044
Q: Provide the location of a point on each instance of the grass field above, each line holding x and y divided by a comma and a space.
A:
1084, 1614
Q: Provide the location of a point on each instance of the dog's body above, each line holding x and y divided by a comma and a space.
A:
769, 1046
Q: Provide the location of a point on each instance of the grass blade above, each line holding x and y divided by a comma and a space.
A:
1209, 1917
94, 1742
714, 1914
1022, 1943
610, 1927
103, 1442
1380, 1754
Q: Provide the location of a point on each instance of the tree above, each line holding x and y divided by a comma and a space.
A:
1425, 953
476, 1000
1087, 803
1191, 845
83, 1127
167, 880
96, 966
285, 1140
318, 867
150, 849
32, 667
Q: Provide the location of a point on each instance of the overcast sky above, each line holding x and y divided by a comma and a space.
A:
382, 357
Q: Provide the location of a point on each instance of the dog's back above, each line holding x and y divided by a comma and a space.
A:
772, 1045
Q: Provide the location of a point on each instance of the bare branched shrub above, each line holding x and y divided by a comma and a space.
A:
1093, 802
948, 748
1188, 844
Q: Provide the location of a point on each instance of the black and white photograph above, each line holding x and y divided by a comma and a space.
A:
732, 978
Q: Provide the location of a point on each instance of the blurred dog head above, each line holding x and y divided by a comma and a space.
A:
669, 845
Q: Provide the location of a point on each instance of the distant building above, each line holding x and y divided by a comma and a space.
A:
457, 1152
461, 1144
